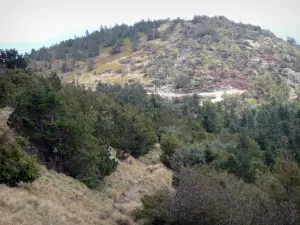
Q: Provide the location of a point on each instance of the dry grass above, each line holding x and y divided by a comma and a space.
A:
86, 79
67, 78
120, 79
105, 61
163, 27
126, 45
60, 200
135, 178
56, 199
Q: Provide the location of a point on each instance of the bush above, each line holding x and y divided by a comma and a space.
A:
268, 50
73, 127
245, 159
116, 48
118, 71
169, 143
182, 80
126, 60
15, 167
235, 153
60, 122
189, 155
12, 86
153, 210
134, 132
208, 197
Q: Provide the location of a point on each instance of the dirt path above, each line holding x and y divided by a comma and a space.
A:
215, 96
134, 178
140, 186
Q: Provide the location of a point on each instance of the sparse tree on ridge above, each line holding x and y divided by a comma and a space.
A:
293, 43
91, 65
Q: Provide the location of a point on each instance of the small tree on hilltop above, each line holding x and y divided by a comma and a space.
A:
293, 43
91, 65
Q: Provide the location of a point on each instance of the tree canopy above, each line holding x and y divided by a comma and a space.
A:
10, 59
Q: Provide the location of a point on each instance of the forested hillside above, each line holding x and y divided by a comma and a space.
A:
234, 161
249, 147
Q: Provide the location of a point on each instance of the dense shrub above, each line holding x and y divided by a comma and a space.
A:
169, 143
154, 208
182, 80
12, 86
60, 122
15, 166
72, 127
133, 132
207, 197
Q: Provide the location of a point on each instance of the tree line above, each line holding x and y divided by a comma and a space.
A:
88, 45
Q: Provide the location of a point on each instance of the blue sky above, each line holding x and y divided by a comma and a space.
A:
37, 23
23, 47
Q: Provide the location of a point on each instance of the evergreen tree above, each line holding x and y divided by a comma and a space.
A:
91, 65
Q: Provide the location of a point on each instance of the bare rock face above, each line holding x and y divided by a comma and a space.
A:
252, 44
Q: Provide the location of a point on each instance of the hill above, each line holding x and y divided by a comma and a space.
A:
202, 54
233, 160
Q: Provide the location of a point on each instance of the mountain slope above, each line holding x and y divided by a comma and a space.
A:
57, 199
203, 54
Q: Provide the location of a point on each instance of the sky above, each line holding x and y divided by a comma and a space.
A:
36, 23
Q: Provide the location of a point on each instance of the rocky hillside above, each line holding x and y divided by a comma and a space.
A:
203, 54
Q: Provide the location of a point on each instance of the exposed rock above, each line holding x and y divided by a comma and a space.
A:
252, 44
291, 75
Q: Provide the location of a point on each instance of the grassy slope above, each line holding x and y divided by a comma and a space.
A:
57, 199
105, 63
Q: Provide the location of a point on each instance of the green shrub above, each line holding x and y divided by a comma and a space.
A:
73, 127
207, 197
153, 211
60, 122
15, 166
131, 131
12, 86
182, 80
192, 155
245, 159
169, 143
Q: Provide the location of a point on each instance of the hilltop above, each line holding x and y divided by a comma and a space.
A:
198, 55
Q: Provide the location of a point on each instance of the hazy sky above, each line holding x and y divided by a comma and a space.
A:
34, 23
